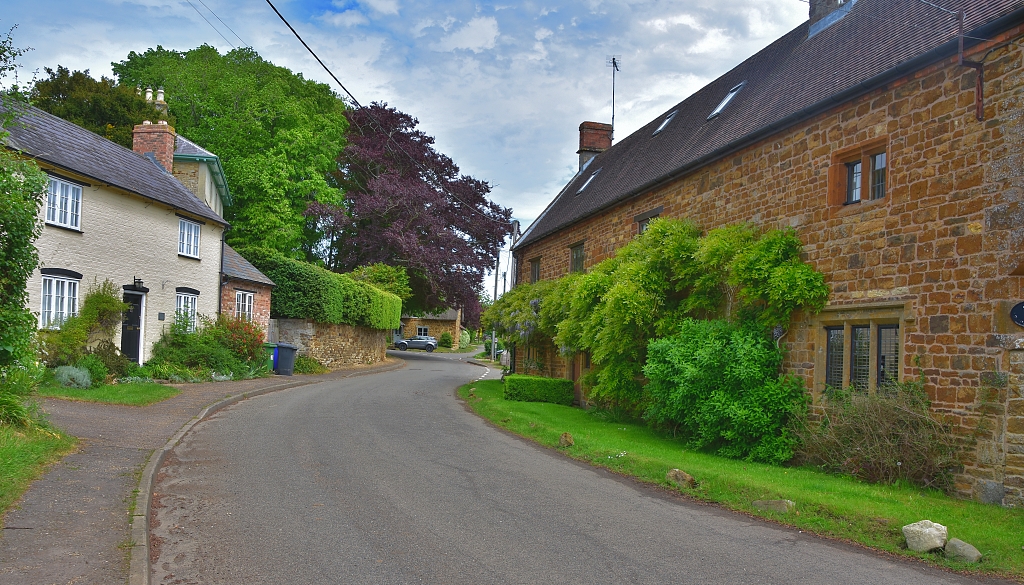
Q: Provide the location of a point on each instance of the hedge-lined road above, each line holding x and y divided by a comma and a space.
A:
388, 479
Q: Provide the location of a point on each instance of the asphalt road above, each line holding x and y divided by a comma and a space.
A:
389, 479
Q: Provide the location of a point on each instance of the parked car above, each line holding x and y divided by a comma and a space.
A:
424, 342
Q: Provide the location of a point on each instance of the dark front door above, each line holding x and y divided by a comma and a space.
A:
131, 327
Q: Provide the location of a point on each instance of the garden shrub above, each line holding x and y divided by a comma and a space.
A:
465, 340
98, 371
717, 385
72, 377
306, 291
13, 410
219, 349
487, 346
445, 340
525, 388
108, 353
884, 437
242, 337
307, 365
95, 323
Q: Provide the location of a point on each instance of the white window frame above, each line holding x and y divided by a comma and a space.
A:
422, 331
188, 238
64, 204
185, 303
59, 301
244, 303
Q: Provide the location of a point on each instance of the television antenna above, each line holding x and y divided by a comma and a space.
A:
613, 61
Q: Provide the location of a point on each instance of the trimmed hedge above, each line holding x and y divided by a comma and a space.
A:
306, 291
525, 388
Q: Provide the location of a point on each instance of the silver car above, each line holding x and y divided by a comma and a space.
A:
424, 342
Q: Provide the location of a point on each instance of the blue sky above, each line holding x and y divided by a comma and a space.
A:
502, 86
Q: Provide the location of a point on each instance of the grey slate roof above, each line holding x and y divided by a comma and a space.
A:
64, 145
449, 315
792, 79
185, 146
235, 266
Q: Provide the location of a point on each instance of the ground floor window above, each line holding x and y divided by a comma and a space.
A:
60, 301
861, 355
185, 308
420, 330
243, 304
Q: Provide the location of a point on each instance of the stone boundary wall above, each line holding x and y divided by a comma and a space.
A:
335, 346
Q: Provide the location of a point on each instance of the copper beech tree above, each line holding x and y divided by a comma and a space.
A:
407, 205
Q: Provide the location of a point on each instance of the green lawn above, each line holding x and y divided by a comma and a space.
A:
135, 394
837, 507
24, 455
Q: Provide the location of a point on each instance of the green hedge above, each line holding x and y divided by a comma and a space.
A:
538, 389
306, 291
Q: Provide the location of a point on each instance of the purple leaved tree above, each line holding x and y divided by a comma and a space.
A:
406, 204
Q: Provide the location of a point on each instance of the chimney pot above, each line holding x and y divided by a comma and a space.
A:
160, 95
146, 122
595, 138
164, 122
819, 9
149, 94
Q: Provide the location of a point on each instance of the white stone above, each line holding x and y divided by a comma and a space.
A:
925, 535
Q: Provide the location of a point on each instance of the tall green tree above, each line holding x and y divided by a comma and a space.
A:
99, 105
277, 135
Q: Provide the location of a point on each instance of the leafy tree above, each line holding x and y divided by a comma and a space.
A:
392, 279
407, 205
101, 106
277, 135
22, 185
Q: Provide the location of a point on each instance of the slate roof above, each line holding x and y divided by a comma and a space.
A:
792, 79
449, 315
185, 146
235, 266
64, 145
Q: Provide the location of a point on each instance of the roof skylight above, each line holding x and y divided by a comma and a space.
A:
589, 179
665, 122
728, 98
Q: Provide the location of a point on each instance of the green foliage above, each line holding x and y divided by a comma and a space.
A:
72, 377
101, 106
21, 187
306, 291
464, 339
277, 135
307, 365
17, 382
95, 324
538, 389
202, 351
516, 316
392, 279
886, 437
242, 337
97, 369
445, 340
111, 357
717, 385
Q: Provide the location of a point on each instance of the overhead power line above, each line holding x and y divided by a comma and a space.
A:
224, 23
210, 23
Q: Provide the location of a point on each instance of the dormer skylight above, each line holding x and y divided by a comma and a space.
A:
728, 98
589, 179
665, 122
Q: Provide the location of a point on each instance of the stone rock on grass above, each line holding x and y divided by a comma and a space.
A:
925, 535
565, 440
780, 506
959, 550
681, 478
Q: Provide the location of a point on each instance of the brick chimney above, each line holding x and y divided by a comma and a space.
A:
822, 8
595, 138
155, 141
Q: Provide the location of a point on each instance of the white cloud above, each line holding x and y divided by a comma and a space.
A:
479, 34
381, 6
713, 40
542, 33
344, 19
663, 24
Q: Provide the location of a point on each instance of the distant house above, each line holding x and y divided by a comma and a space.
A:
896, 158
117, 214
245, 291
435, 325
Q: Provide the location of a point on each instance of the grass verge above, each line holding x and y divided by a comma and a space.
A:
833, 506
134, 394
24, 455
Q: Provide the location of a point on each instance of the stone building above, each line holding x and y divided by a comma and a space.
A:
435, 325
897, 157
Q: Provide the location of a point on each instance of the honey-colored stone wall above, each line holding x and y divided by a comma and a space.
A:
940, 254
435, 327
335, 346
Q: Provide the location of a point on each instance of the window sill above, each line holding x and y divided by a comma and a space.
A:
65, 228
187, 257
860, 207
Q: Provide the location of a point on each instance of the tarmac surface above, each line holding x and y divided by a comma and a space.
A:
72, 525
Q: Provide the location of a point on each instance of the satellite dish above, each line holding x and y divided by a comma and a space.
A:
1017, 314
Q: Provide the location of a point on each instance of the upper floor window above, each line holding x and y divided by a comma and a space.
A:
535, 270
859, 173
188, 238
589, 179
185, 309
60, 301
576, 258
725, 101
643, 221
665, 122
243, 304
64, 204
